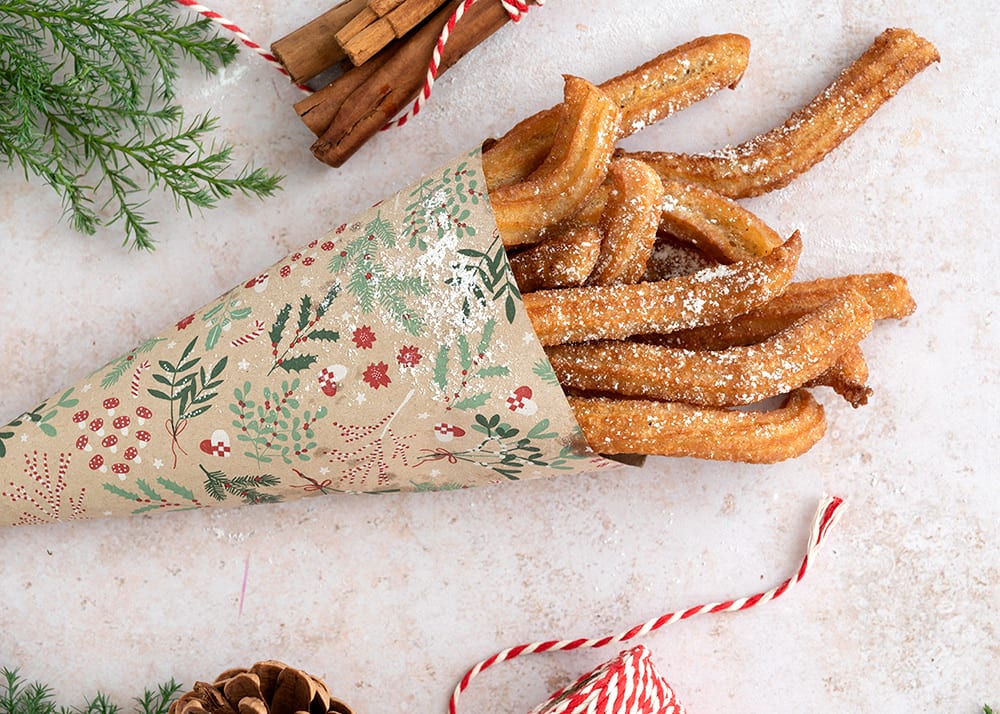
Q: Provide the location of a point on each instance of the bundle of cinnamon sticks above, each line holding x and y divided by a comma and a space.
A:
382, 49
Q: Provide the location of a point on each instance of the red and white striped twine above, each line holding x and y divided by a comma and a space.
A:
826, 515
240, 35
515, 8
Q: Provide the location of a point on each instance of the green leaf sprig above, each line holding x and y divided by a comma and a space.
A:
87, 105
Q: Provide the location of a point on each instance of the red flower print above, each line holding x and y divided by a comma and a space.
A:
363, 338
377, 375
409, 356
185, 322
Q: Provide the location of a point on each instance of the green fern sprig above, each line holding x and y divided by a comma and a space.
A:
87, 92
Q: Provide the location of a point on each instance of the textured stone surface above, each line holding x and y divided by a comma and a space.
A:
392, 598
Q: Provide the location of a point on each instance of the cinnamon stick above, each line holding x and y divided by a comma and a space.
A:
359, 22
395, 83
311, 49
319, 108
410, 14
368, 42
383, 7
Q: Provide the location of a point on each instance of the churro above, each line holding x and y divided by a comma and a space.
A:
774, 159
886, 293
848, 377
636, 426
628, 223
664, 85
719, 226
716, 294
730, 377
576, 165
563, 260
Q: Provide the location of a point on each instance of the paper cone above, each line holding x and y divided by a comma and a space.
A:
392, 354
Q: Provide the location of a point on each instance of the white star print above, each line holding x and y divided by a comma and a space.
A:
243, 365
157, 464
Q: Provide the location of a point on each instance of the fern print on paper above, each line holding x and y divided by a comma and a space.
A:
375, 285
245, 488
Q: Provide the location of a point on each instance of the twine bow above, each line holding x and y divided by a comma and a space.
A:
437, 455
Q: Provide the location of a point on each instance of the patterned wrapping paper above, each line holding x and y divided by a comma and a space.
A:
392, 354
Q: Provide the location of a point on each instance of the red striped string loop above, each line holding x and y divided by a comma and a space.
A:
232, 27
826, 515
515, 8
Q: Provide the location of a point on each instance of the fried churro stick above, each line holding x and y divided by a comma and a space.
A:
628, 223
886, 293
562, 260
717, 294
718, 378
662, 86
719, 226
774, 159
576, 165
627, 426
848, 377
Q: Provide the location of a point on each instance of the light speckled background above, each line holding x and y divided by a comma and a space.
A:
392, 598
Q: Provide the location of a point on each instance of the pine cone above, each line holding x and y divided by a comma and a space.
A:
266, 688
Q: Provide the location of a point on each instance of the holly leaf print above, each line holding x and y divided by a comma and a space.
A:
298, 363
280, 320
285, 352
441, 368
473, 402
305, 307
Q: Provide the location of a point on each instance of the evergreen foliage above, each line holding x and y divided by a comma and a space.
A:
87, 105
